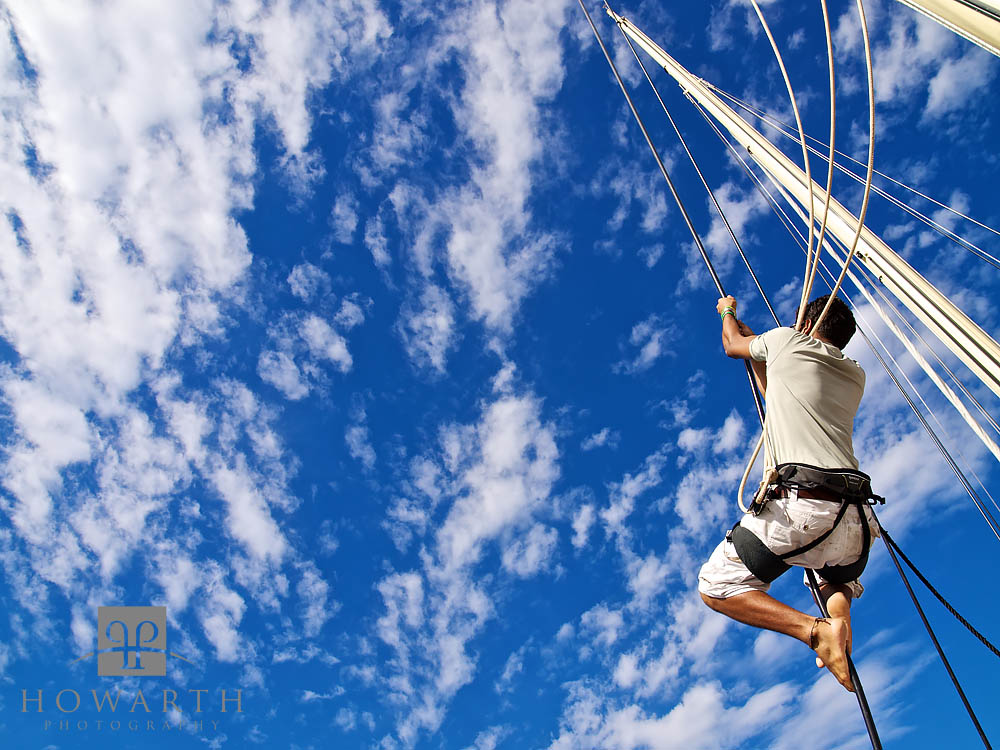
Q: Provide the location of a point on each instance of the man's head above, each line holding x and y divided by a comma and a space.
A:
838, 326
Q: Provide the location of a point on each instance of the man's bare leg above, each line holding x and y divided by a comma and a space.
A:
838, 603
764, 611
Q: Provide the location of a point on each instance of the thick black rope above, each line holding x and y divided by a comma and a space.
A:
890, 544
944, 602
859, 690
934, 640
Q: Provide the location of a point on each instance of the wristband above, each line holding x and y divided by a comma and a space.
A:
727, 311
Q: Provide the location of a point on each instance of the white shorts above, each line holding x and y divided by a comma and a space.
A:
786, 524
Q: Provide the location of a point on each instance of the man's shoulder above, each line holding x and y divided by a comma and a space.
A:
768, 344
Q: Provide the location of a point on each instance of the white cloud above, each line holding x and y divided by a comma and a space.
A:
513, 668
326, 343
120, 257
344, 218
428, 328
349, 315
305, 280
280, 370
651, 255
508, 71
358, 441
496, 474
583, 519
528, 555
316, 605
957, 81
346, 719
702, 719
489, 739
642, 189
602, 624
647, 578
249, 518
606, 436
650, 335
376, 241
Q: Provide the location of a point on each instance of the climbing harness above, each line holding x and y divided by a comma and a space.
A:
848, 487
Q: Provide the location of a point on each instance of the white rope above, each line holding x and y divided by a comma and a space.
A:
805, 153
871, 165
830, 161
920, 359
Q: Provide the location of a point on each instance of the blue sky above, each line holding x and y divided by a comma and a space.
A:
364, 337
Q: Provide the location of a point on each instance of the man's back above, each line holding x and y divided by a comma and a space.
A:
813, 393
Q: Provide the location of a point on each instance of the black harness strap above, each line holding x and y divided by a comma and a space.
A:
852, 487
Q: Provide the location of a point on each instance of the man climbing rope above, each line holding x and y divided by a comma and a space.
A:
800, 517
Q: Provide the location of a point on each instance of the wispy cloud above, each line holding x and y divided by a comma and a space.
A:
650, 336
495, 475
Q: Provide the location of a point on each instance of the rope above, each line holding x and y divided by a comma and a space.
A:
871, 166
930, 632
859, 691
805, 158
796, 236
792, 229
830, 161
944, 602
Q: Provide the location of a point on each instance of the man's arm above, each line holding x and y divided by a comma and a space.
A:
736, 338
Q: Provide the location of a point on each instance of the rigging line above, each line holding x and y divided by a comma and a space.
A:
680, 204
985, 512
775, 206
805, 158
930, 632
877, 288
859, 691
778, 124
930, 411
830, 162
935, 225
946, 454
935, 378
944, 602
788, 225
871, 165
704, 182
797, 237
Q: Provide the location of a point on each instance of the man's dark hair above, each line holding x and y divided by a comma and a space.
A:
838, 326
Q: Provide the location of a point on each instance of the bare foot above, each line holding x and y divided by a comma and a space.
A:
819, 662
829, 641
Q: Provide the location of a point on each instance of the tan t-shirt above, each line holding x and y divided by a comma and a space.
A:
813, 393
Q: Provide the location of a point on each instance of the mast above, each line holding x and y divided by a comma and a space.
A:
970, 343
976, 20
